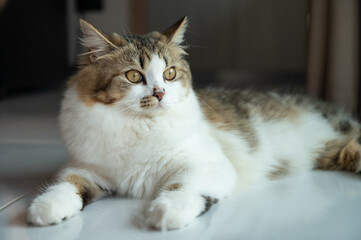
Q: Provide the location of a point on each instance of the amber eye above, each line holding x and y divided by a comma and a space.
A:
169, 74
134, 76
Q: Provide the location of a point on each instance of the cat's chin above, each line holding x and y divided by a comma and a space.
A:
155, 110
160, 106
150, 112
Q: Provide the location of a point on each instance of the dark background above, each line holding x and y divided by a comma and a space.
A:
247, 43
32, 45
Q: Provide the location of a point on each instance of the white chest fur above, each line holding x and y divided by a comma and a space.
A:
133, 155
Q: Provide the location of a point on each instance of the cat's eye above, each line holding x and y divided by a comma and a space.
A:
134, 76
169, 74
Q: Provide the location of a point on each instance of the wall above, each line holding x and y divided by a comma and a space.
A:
251, 40
246, 39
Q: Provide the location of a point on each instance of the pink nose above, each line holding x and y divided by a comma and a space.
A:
158, 93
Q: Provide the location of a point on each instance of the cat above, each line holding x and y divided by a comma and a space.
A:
134, 126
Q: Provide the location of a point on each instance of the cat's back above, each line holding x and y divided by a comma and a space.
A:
259, 131
272, 122
229, 109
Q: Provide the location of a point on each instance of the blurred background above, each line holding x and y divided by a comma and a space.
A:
309, 46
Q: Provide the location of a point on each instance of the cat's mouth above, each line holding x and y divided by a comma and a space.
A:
149, 102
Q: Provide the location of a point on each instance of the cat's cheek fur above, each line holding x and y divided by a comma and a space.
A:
58, 203
175, 93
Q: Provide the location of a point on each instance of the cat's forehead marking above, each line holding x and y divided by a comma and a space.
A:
155, 68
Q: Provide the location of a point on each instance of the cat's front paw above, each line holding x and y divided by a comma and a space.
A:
58, 203
173, 211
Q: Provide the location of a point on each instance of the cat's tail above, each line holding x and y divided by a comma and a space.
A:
341, 154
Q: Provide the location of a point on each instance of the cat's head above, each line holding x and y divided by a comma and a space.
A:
143, 74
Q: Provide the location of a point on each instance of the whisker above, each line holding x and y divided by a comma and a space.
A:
90, 52
125, 33
192, 32
195, 46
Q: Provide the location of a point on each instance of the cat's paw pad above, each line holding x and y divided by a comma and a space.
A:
57, 204
165, 213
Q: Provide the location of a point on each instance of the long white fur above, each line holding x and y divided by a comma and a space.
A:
59, 202
139, 156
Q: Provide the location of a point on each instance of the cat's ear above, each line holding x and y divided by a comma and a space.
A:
175, 34
96, 42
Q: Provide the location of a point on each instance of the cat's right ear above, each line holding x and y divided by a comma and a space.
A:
96, 42
175, 33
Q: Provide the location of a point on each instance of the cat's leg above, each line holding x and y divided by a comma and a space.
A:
176, 208
73, 189
342, 155
191, 192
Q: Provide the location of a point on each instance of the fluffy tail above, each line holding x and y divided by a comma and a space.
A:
342, 155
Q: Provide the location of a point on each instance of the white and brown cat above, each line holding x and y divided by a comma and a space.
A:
133, 125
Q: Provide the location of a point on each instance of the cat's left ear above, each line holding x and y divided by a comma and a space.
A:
175, 34
96, 42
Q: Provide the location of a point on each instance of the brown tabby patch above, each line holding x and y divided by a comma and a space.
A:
340, 119
87, 191
340, 155
174, 187
100, 86
280, 170
233, 110
148, 102
208, 203
224, 110
271, 107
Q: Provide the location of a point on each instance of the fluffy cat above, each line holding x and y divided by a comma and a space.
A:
133, 125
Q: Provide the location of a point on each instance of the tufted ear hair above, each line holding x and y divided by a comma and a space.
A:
95, 41
175, 33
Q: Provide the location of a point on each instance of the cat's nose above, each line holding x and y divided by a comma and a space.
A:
158, 93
